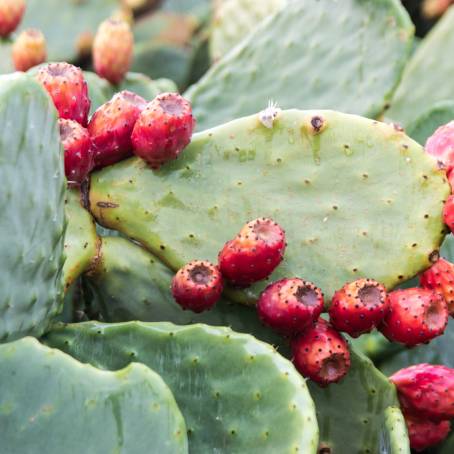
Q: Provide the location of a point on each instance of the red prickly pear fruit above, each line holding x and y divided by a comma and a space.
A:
448, 212
11, 13
415, 316
321, 354
289, 306
440, 145
426, 391
29, 50
440, 277
358, 307
111, 127
197, 286
424, 433
254, 253
68, 89
112, 50
76, 143
163, 129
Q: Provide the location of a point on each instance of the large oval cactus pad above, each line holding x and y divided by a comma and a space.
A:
32, 221
356, 197
237, 394
53, 402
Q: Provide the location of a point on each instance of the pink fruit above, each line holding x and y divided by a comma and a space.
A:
426, 391
424, 433
415, 316
29, 50
254, 253
11, 12
111, 127
441, 146
163, 129
358, 307
448, 212
321, 354
197, 286
451, 179
290, 305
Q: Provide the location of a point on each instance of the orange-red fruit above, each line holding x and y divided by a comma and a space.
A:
112, 50
163, 129
11, 12
68, 89
111, 127
441, 146
440, 277
197, 286
289, 306
358, 307
29, 50
321, 353
415, 316
448, 212
424, 433
254, 253
76, 143
426, 391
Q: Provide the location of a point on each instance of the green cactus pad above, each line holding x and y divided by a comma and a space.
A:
351, 413
55, 403
236, 393
341, 193
327, 54
234, 19
32, 223
80, 239
394, 435
426, 124
428, 76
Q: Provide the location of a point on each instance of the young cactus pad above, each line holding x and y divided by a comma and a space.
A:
357, 198
55, 402
224, 383
311, 54
394, 435
32, 202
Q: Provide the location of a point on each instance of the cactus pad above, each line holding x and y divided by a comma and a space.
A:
394, 435
224, 382
54, 401
290, 58
340, 185
32, 223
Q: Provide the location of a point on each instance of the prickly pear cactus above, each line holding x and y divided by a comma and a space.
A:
394, 436
53, 401
331, 50
224, 383
32, 202
340, 185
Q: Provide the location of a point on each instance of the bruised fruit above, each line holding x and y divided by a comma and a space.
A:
254, 253
358, 307
441, 146
448, 212
197, 286
424, 433
11, 13
29, 50
289, 306
321, 354
426, 391
163, 129
68, 89
76, 143
111, 127
414, 316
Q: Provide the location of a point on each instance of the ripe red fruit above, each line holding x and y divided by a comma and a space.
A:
440, 277
111, 127
11, 13
29, 50
163, 129
441, 146
321, 354
254, 253
358, 307
448, 212
426, 391
78, 156
68, 89
415, 316
424, 433
290, 305
197, 286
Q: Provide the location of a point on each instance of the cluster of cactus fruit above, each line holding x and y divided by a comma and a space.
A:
210, 257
